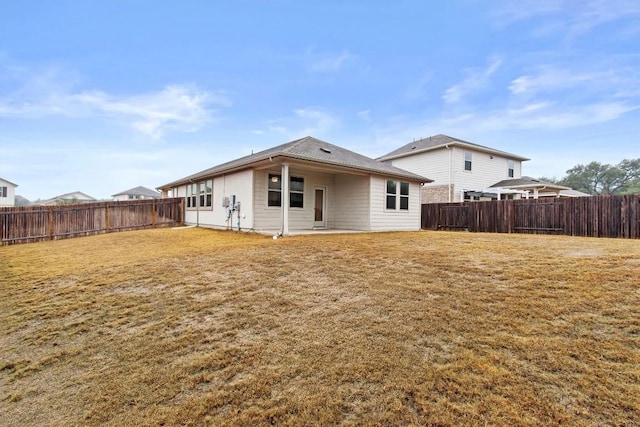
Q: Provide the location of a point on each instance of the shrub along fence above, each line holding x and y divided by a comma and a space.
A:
596, 216
37, 223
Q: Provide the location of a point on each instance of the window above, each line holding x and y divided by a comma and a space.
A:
467, 160
510, 168
192, 194
206, 191
4, 191
275, 190
404, 196
296, 191
392, 195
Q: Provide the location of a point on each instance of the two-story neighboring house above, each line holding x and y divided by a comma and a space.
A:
137, 193
7, 193
461, 170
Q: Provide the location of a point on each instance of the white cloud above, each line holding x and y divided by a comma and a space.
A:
570, 18
179, 107
310, 121
476, 79
327, 63
365, 115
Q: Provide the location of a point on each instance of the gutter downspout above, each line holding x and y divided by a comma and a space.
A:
450, 167
197, 204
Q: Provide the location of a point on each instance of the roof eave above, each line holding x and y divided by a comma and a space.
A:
458, 143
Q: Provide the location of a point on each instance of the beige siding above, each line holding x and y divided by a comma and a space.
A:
383, 219
270, 218
351, 202
238, 184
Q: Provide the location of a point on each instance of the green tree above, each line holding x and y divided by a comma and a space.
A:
598, 178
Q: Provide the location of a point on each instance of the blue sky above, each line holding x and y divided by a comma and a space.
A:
103, 96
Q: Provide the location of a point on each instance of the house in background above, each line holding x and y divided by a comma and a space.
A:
68, 198
461, 170
137, 193
7, 193
534, 188
306, 184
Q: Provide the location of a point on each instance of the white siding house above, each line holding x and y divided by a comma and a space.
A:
306, 184
137, 193
7, 193
460, 169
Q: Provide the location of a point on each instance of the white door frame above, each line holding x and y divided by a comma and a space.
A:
323, 223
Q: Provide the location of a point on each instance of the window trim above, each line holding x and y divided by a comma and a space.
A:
205, 194
468, 162
191, 196
400, 197
279, 190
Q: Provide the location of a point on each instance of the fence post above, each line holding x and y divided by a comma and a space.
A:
106, 217
50, 218
153, 213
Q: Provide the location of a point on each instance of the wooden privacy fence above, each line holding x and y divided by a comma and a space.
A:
37, 223
596, 216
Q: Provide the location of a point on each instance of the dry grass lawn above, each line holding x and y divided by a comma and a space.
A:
200, 327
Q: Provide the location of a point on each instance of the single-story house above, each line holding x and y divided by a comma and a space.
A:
7, 193
306, 184
137, 193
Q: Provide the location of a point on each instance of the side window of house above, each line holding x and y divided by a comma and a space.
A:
274, 198
510, 168
206, 193
4, 192
296, 192
391, 194
192, 194
404, 196
467, 160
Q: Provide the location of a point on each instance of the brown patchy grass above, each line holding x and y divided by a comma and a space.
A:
199, 327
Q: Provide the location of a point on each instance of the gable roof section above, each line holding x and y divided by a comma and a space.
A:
306, 149
442, 141
8, 182
139, 191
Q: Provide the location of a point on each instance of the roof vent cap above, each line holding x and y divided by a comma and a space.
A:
326, 150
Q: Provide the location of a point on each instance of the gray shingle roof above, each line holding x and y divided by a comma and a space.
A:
139, 191
527, 181
439, 141
309, 149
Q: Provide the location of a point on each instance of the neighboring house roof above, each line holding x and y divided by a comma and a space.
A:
528, 183
440, 141
572, 193
8, 182
74, 195
139, 191
306, 149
